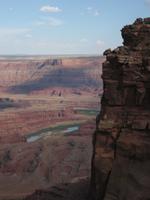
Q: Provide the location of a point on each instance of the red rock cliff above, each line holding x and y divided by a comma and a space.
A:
121, 159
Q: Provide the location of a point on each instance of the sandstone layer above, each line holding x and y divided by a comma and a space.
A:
47, 117
121, 159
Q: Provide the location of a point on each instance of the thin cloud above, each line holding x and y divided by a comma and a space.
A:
13, 31
11, 9
84, 40
89, 8
96, 13
40, 23
92, 11
49, 22
50, 9
54, 22
28, 35
99, 43
13, 39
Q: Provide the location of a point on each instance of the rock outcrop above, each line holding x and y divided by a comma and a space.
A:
121, 159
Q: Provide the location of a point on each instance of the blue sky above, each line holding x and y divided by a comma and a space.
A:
65, 26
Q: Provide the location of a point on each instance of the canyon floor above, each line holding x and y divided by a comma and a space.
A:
48, 108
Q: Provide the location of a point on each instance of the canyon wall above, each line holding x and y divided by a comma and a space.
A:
121, 159
47, 118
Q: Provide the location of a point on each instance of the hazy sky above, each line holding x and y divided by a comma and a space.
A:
65, 26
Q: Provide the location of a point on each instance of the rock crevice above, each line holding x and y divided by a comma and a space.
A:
121, 158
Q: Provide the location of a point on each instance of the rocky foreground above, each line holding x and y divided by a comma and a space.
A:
121, 160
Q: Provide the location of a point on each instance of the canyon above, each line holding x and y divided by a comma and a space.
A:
48, 109
47, 117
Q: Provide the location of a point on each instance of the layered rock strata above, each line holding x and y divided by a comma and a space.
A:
121, 159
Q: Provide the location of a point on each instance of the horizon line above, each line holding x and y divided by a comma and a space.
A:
44, 56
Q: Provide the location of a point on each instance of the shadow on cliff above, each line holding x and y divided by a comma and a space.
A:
6, 103
72, 191
67, 78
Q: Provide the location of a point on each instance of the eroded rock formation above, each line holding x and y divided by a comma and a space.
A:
121, 160
47, 118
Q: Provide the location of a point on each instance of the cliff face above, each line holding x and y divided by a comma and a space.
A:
121, 159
